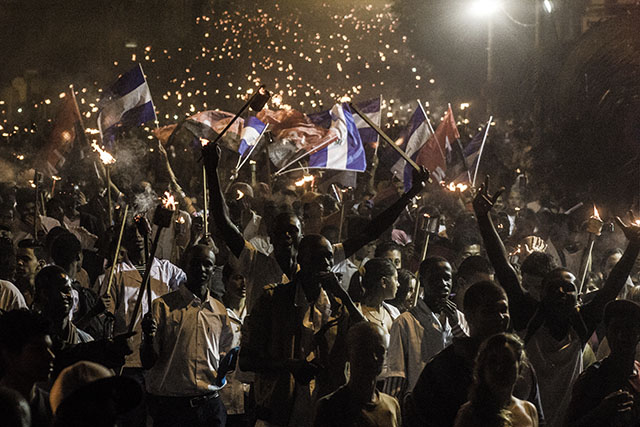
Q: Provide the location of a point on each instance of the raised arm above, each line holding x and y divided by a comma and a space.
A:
593, 311
380, 223
523, 304
217, 205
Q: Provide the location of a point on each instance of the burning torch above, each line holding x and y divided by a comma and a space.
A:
107, 160
594, 228
162, 218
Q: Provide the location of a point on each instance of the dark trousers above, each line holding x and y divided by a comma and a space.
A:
187, 412
137, 417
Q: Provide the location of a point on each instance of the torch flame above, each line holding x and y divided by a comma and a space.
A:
457, 187
168, 201
239, 194
204, 141
180, 220
302, 181
595, 212
105, 156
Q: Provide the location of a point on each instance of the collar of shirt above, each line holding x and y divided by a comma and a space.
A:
190, 298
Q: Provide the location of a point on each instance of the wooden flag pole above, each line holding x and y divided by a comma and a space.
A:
386, 138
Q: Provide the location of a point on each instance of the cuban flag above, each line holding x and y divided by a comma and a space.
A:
372, 108
459, 170
416, 134
125, 105
347, 153
251, 133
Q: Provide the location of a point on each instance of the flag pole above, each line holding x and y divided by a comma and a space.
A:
386, 138
205, 213
484, 139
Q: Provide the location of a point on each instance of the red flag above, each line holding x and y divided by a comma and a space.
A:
433, 154
61, 139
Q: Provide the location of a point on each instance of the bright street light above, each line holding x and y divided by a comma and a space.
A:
485, 7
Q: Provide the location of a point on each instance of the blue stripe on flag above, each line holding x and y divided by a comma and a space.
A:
131, 118
252, 130
127, 82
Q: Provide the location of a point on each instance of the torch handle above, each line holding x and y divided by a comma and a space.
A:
145, 279
115, 255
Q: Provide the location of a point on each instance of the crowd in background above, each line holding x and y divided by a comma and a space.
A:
298, 303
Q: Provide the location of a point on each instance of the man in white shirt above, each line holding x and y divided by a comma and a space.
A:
422, 332
185, 336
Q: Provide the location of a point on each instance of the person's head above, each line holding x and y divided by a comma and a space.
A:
380, 279
53, 293
622, 322
14, 409
559, 292
515, 201
25, 346
407, 288
7, 259
331, 232
495, 373
466, 243
235, 284
285, 232
315, 254
472, 270
391, 251
366, 351
132, 243
30, 258
199, 262
26, 205
534, 268
55, 209
6, 216
486, 309
66, 251
436, 277
88, 394
52, 235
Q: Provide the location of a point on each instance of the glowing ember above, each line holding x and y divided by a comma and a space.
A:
105, 156
168, 201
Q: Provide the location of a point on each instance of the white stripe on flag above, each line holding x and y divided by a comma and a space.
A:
113, 111
250, 135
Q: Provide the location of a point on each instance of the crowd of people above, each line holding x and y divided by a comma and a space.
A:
284, 304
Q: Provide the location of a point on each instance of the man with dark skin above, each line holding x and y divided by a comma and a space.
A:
359, 403
556, 328
607, 393
186, 334
54, 301
445, 380
423, 331
30, 259
285, 233
26, 358
296, 334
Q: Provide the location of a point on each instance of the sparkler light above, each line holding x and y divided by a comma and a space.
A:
105, 156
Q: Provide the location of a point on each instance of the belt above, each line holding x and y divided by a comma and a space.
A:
191, 401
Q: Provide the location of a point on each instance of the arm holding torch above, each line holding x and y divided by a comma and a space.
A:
217, 205
162, 218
